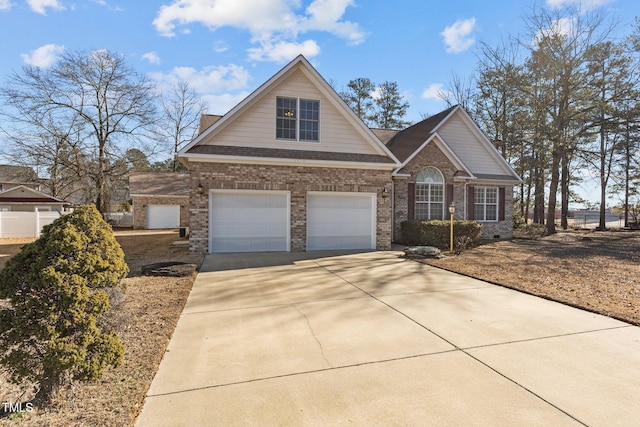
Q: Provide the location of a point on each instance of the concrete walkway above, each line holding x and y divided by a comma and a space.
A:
373, 339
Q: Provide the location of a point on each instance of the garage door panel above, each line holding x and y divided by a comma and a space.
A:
163, 216
340, 221
248, 221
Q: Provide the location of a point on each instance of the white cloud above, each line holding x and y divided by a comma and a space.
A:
436, 91
5, 4
152, 57
283, 51
220, 46
273, 24
325, 15
458, 36
221, 104
40, 6
210, 80
43, 56
561, 27
581, 5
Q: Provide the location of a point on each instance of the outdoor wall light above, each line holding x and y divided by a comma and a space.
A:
385, 193
200, 189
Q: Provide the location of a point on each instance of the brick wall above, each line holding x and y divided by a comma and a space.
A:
140, 204
296, 179
431, 155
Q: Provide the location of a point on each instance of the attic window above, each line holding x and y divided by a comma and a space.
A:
297, 119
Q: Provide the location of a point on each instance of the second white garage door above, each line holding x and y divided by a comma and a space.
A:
163, 216
248, 221
341, 221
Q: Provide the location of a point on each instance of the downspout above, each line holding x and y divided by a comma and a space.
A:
393, 210
466, 204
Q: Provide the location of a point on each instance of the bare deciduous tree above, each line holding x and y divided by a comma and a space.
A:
181, 113
92, 105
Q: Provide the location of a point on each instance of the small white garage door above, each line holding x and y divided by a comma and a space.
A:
341, 221
163, 216
249, 221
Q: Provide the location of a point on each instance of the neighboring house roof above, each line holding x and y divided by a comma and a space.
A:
25, 195
460, 139
170, 184
239, 128
12, 174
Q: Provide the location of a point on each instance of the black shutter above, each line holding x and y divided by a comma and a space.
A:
411, 200
501, 204
470, 203
449, 198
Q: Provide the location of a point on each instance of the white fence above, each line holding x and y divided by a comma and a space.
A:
25, 224
120, 219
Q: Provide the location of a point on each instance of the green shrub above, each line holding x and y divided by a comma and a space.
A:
437, 233
57, 291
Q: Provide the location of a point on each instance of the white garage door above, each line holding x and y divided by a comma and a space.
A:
248, 221
163, 216
341, 221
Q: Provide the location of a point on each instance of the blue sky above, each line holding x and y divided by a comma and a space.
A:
227, 48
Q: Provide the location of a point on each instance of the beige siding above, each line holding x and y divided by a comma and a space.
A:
256, 126
469, 149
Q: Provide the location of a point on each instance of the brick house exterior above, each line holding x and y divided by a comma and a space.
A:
292, 168
158, 189
451, 144
299, 181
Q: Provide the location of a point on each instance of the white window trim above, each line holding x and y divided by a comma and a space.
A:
484, 203
298, 119
430, 202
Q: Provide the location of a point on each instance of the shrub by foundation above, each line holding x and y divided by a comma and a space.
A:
437, 233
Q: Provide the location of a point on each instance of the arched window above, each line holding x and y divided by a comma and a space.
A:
429, 194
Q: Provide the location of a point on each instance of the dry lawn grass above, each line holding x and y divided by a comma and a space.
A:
596, 271
145, 317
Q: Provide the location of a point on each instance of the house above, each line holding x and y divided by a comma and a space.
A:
25, 211
159, 199
25, 199
446, 161
292, 168
13, 176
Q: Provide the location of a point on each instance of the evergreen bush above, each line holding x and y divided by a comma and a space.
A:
437, 233
57, 291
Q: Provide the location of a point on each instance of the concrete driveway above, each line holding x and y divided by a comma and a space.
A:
374, 339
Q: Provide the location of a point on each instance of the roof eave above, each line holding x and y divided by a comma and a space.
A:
277, 161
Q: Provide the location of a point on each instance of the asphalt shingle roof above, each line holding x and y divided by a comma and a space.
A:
275, 153
404, 143
159, 183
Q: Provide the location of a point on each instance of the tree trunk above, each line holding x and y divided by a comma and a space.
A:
602, 225
50, 384
553, 192
564, 190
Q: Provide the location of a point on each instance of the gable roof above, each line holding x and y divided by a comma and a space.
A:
17, 174
198, 150
407, 143
25, 195
158, 184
